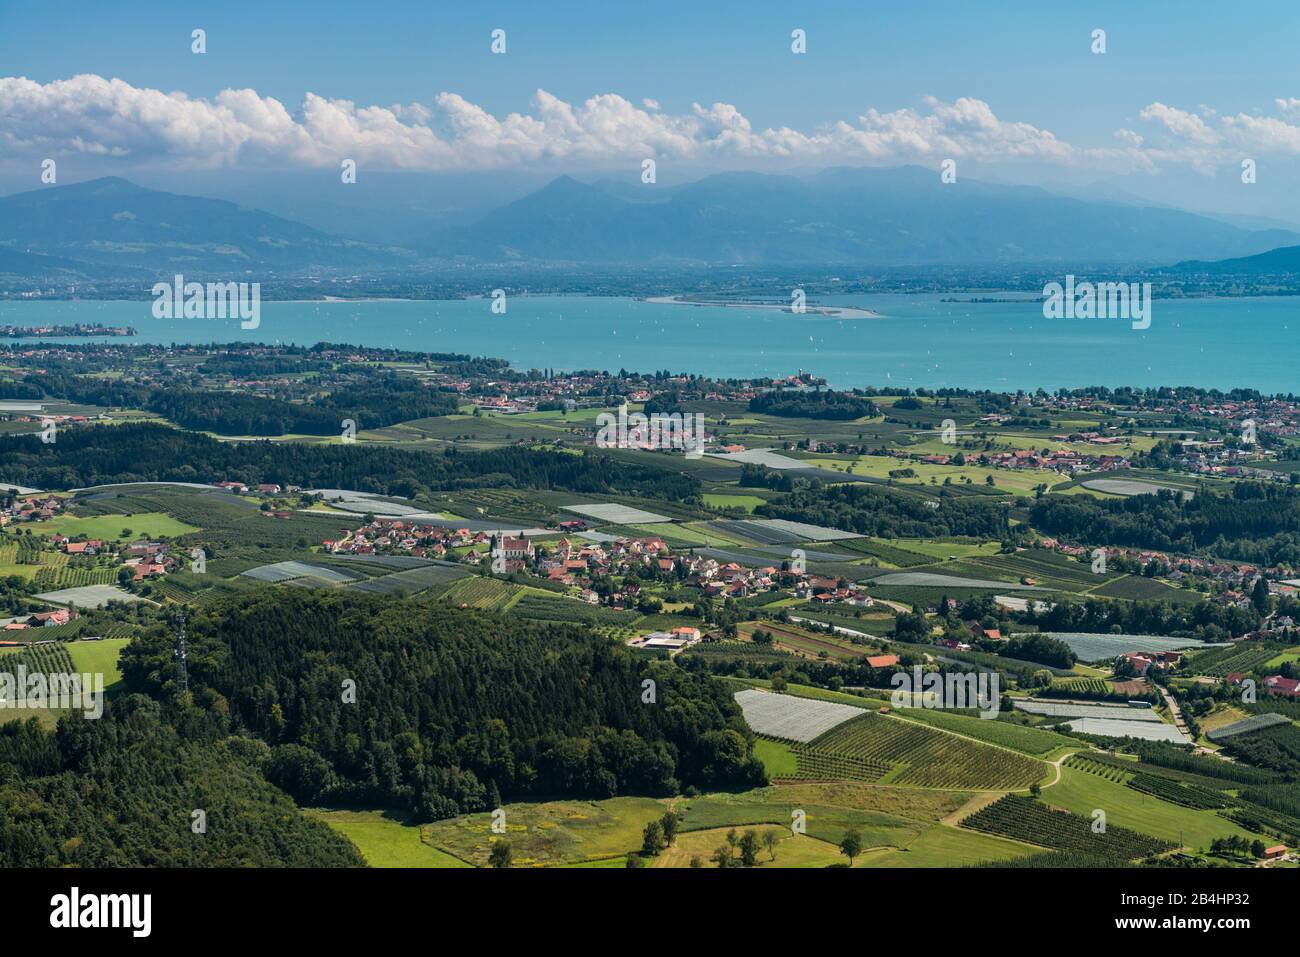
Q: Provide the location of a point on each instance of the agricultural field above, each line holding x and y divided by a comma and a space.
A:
944, 549
892, 750
88, 596
385, 840
883, 819
64, 658
945, 846
889, 553
1081, 792
1032, 741
1018, 481
74, 575
413, 581
1105, 647
808, 644
486, 594
790, 718
120, 528
728, 500
543, 606
1244, 657
287, 571
99, 657
550, 833
1025, 819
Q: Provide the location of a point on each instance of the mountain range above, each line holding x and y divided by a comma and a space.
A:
851, 216
109, 225
902, 216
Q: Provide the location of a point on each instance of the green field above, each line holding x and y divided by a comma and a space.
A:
100, 657
1008, 480
79, 657
385, 840
724, 500
552, 832
112, 527
944, 846
1081, 792
777, 758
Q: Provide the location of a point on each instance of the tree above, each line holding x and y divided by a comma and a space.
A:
851, 844
749, 845
723, 856
1259, 596
500, 855
769, 841
695, 861
634, 861
652, 839
668, 825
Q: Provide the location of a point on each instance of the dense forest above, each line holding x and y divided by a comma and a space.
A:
143, 452
1207, 621
371, 399
352, 700
882, 511
373, 405
453, 710
813, 405
121, 791
1256, 523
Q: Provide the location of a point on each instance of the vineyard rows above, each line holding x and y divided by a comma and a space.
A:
1025, 819
871, 746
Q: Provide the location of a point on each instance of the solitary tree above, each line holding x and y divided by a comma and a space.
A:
769, 841
500, 855
749, 845
851, 845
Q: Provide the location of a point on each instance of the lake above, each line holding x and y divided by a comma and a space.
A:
920, 341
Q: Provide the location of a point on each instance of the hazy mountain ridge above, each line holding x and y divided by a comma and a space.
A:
856, 217
113, 222
899, 216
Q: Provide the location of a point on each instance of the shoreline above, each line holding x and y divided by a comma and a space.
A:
828, 312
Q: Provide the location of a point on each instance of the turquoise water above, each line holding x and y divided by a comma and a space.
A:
920, 341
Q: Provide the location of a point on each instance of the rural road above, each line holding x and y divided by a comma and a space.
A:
1172, 705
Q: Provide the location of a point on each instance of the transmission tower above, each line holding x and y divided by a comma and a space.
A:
182, 673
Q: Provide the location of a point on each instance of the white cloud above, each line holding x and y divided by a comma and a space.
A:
1180, 123
91, 114
1211, 142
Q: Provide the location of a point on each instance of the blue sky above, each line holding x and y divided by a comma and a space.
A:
1029, 59
1183, 92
